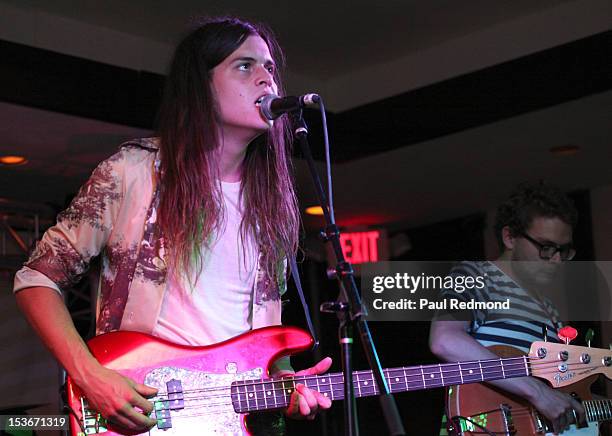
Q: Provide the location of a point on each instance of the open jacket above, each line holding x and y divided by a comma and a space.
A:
115, 215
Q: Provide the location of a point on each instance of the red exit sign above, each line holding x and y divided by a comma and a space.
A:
363, 247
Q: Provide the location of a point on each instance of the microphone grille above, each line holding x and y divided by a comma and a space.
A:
265, 106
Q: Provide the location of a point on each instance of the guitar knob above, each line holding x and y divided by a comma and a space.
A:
563, 355
607, 361
590, 334
585, 358
567, 334
542, 352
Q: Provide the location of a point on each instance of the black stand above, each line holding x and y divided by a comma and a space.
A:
349, 309
345, 336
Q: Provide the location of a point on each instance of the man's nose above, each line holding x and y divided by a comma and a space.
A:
264, 76
556, 257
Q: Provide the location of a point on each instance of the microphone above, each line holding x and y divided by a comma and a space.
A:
272, 106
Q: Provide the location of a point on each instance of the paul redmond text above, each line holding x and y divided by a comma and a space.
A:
449, 304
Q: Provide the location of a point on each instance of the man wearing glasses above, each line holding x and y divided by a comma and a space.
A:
534, 232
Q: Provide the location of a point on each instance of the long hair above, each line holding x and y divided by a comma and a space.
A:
191, 204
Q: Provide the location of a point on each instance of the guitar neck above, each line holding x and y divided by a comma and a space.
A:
598, 410
251, 395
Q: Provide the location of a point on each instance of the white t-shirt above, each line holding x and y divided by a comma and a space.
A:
220, 305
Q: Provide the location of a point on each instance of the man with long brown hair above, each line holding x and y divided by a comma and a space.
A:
193, 226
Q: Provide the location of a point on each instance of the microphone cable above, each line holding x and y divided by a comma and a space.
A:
330, 194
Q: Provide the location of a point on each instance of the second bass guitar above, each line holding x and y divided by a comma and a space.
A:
477, 408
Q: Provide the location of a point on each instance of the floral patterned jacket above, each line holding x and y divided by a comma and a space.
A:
114, 214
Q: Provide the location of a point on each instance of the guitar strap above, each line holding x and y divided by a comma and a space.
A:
298, 285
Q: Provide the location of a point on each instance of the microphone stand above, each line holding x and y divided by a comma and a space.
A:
348, 308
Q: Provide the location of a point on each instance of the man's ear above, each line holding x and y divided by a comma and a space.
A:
507, 238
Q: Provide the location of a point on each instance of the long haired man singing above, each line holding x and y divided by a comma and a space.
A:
193, 226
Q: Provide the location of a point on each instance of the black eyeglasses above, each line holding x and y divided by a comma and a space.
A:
548, 251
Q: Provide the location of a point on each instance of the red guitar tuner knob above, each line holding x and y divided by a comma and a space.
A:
567, 334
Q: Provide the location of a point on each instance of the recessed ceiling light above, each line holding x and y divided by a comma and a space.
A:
12, 160
314, 210
564, 150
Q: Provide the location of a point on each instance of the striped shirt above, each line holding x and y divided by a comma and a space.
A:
517, 327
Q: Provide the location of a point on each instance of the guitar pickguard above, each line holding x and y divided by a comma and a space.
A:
591, 430
203, 394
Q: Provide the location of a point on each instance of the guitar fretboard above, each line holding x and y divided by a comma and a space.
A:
251, 395
598, 410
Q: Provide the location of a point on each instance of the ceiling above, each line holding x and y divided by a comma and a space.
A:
473, 170
357, 56
321, 38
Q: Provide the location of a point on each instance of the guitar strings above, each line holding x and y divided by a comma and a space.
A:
404, 375
227, 404
516, 411
415, 379
521, 412
595, 414
460, 368
411, 377
396, 386
260, 403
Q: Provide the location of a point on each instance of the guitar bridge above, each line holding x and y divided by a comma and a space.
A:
92, 421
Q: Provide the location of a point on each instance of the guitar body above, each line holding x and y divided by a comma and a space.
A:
503, 413
203, 405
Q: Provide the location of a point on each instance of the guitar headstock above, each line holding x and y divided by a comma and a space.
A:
564, 365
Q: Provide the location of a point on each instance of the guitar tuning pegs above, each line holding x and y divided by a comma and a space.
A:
567, 334
589, 337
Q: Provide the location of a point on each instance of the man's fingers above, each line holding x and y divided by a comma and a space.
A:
323, 365
123, 420
131, 418
314, 399
144, 390
304, 408
145, 406
571, 417
319, 368
139, 400
121, 423
578, 411
309, 397
324, 402
559, 424
306, 402
137, 419
294, 406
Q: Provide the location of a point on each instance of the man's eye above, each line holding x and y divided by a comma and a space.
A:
244, 67
270, 69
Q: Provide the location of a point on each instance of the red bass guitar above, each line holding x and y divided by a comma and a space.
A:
209, 390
